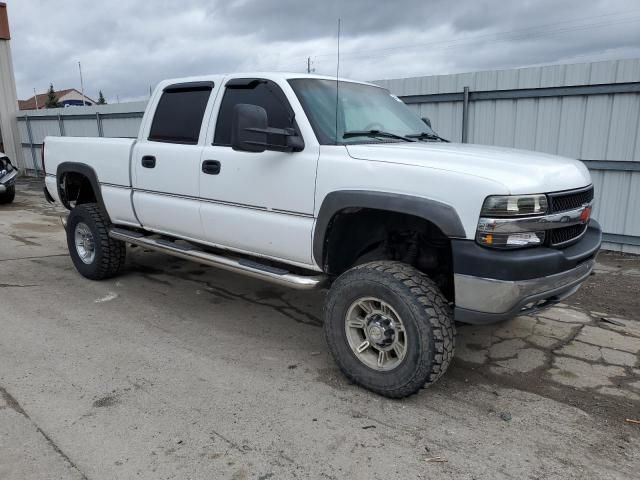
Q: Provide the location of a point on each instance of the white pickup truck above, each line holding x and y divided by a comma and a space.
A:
312, 183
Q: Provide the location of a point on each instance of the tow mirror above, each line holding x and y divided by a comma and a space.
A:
295, 143
427, 121
247, 129
250, 131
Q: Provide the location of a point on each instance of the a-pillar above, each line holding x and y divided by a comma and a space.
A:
8, 95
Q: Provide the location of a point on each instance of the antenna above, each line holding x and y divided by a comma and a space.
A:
81, 84
337, 81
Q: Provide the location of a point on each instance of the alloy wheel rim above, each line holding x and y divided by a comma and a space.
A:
85, 244
376, 334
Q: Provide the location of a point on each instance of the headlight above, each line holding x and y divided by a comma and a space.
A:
500, 213
514, 205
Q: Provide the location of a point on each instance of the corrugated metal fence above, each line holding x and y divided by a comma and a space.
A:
587, 111
118, 120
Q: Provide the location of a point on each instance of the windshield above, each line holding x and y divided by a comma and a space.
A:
361, 109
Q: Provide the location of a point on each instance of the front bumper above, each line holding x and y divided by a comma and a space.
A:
495, 285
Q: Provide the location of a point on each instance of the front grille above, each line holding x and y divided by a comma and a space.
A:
561, 201
561, 236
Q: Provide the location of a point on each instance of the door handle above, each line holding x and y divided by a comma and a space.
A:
211, 167
148, 161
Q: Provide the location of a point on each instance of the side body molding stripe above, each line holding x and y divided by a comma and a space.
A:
440, 214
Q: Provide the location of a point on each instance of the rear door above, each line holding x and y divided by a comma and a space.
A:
166, 160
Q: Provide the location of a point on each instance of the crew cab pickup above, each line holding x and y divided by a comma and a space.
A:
310, 182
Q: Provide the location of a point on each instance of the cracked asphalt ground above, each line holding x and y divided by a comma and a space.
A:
174, 370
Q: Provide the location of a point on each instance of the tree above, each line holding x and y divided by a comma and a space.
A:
101, 100
52, 99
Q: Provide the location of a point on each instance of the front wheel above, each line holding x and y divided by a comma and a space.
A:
8, 195
389, 328
94, 253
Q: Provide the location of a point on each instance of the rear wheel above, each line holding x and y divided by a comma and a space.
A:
389, 328
94, 254
8, 195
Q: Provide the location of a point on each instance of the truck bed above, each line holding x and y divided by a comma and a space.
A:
111, 157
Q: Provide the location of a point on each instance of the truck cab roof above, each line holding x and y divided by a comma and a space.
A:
275, 76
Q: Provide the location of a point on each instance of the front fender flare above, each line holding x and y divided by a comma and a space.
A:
440, 214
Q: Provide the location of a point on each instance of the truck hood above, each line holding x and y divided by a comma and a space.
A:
520, 171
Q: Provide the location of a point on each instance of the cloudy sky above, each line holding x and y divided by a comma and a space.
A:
125, 46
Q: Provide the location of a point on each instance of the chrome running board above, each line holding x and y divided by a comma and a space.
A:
238, 265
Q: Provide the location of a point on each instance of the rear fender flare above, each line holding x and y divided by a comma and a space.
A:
86, 171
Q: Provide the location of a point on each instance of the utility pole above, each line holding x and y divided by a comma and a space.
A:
81, 84
35, 95
309, 69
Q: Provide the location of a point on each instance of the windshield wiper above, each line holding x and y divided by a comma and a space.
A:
375, 133
427, 136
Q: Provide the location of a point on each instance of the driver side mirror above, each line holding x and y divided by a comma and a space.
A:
250, 131
247, 123
427, 121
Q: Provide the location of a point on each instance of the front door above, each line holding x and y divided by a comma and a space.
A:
259, 202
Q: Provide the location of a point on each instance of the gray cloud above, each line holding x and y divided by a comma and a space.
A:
127, 46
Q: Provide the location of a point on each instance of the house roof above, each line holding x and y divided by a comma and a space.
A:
30, 104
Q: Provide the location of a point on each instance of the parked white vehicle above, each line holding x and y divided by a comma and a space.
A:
281, 177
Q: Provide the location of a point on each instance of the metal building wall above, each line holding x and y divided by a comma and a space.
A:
599, 128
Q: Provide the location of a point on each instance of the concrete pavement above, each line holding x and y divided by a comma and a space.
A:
174, 370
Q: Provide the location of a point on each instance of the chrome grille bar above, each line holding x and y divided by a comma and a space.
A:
535, 224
